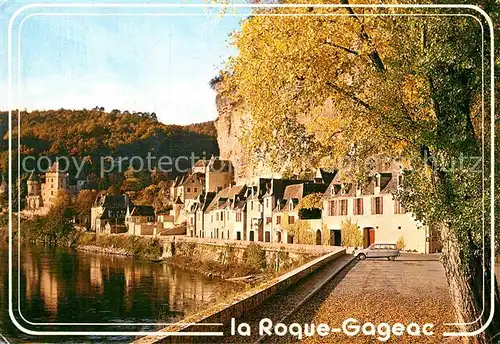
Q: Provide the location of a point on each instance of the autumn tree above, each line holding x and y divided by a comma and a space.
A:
336, 86
83, 204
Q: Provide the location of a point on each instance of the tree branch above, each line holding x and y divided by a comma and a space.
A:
348, 95
354, 52
374, 55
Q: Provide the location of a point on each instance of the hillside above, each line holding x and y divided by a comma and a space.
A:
96, 133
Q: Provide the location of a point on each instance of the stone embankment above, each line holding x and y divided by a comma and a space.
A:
105, 250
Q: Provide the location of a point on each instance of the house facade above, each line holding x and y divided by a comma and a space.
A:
140, 220
377, 214
109, 210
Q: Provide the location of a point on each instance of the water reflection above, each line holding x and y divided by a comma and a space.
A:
62, 285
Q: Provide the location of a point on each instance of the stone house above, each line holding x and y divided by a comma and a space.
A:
108, 209
377, 214
287, 211
139, 219
195, 217
255, 209
275, 191
223, 218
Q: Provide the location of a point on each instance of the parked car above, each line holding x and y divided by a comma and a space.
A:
378, 250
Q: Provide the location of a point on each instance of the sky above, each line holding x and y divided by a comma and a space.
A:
93, 57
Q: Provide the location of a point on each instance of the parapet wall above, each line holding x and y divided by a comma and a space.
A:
219, 250
245, 302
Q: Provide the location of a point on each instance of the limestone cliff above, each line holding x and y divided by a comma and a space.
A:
231, 122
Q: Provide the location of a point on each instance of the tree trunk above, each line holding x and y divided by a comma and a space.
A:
465, 279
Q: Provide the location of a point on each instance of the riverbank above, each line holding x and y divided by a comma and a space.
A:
249, 263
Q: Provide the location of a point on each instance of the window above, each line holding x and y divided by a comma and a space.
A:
195, 190
291, 220
189, 190
238, 217
269, 220
377, 206
343, 207
211, 218
267, 202
192, 220
238, 235
398, 208
251, 205
358, 206
216, 216
332, 208
222, 216
290, 205
377, 181
278, 220
400, 180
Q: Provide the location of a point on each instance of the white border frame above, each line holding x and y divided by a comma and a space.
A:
227, 6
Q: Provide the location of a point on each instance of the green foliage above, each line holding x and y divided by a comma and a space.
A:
351, 235
255, 256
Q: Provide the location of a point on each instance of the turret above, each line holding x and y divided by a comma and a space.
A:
33, 184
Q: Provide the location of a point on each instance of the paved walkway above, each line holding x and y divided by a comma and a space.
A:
411, 289
279, 305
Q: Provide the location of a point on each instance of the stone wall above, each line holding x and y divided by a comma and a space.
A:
245, 302
226, 250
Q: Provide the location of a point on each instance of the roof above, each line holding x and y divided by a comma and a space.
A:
178, 230
194, 178
114, 211
388, 185
222, 197
277, 186
178, 200
142, 210
120, 201
54, 168
326, 174
33, 177
206, 200
298, 191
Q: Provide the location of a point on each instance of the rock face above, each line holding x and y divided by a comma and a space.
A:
231, 123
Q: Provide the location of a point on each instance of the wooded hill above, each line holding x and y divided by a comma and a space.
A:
96, 133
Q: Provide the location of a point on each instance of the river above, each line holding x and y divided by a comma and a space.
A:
63, 285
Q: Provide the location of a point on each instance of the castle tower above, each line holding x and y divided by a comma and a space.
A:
33, 185
33, 198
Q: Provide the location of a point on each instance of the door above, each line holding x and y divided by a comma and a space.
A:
279, 237
318, 237
268, 236
368, 236
336, 236
252, 235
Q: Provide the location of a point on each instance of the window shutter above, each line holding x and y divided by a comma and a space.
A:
381, 205
355, 206
373, 205
361, 201
395, 207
